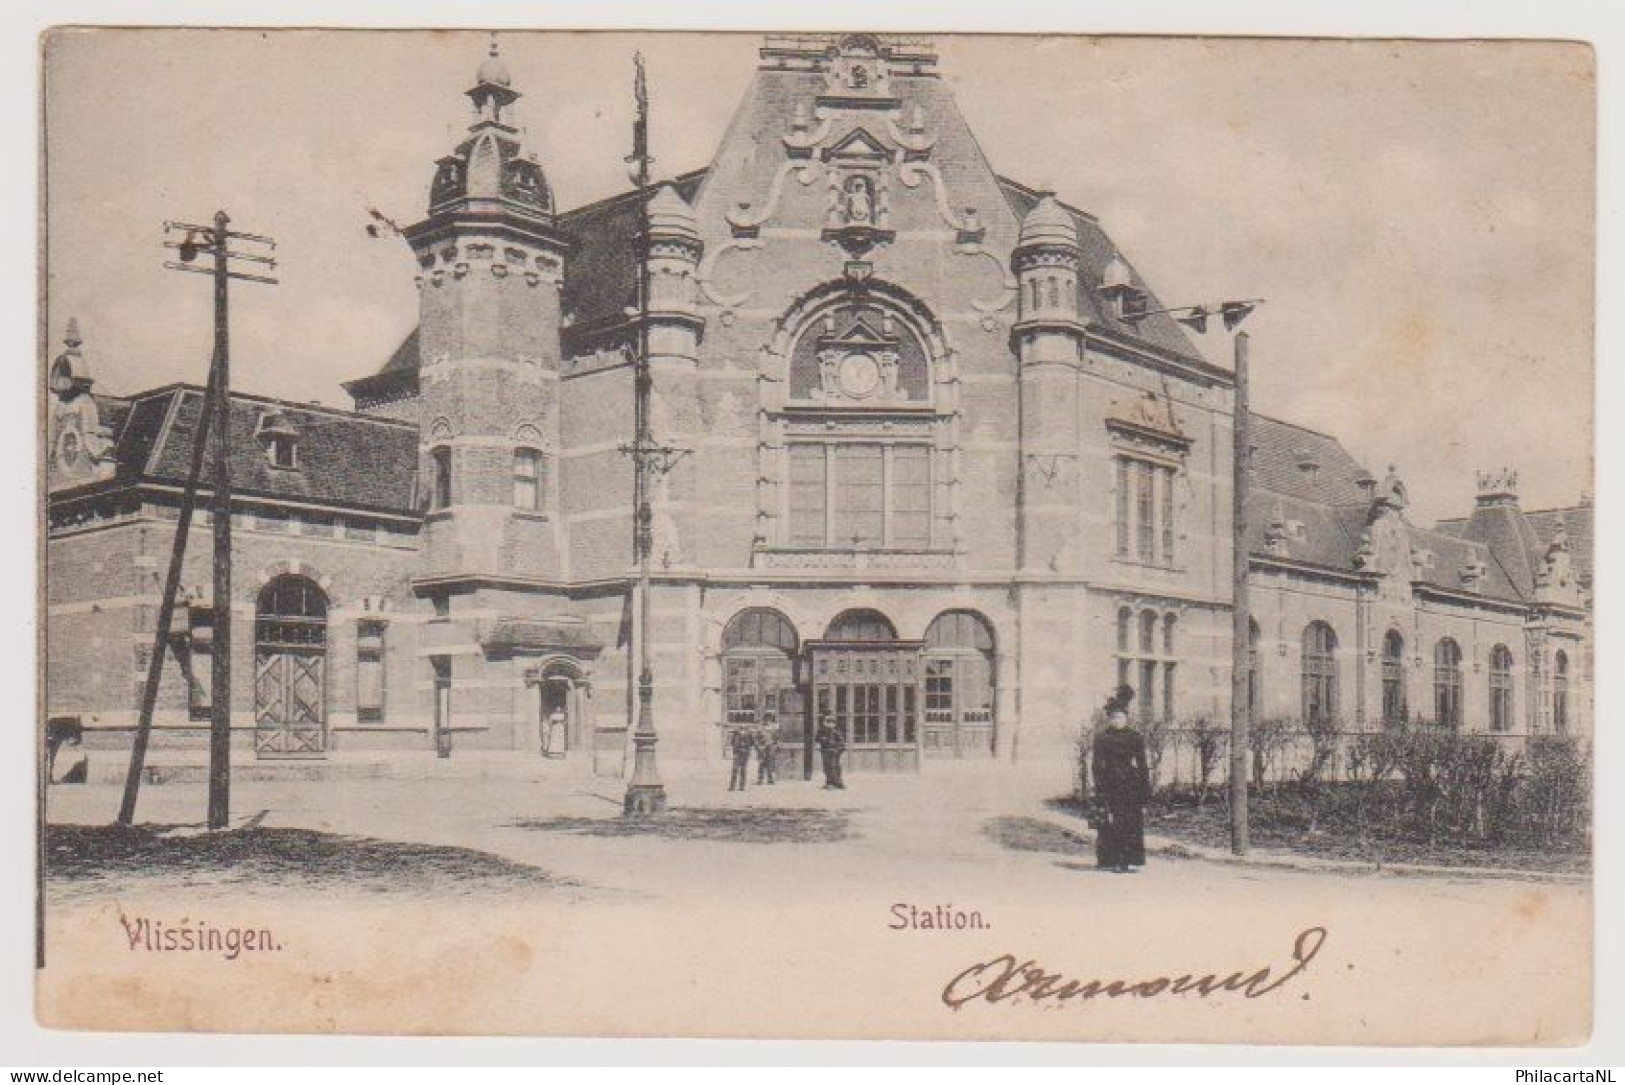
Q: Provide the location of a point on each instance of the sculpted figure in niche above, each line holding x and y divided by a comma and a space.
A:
829, 371
860, 201
888, 371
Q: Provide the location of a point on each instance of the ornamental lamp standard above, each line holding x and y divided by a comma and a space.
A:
645, 793
1195, 317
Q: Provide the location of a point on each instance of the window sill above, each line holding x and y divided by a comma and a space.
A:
1136, 563
530, 514
820, 557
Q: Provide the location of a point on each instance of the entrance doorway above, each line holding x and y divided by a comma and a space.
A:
560, 711
290, 666
868, 682
759, 682
960, 686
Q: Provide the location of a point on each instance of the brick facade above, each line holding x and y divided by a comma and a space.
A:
903, 385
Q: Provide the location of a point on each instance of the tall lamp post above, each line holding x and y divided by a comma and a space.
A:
645, 794
1232, 313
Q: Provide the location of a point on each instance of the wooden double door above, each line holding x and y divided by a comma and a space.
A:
289, 703
872, 693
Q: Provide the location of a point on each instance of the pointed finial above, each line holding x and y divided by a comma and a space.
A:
70, 336
492, 71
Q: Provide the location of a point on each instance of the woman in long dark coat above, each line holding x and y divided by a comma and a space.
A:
1122, 786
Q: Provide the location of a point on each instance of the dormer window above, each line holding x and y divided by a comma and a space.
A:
282, 451
279, 439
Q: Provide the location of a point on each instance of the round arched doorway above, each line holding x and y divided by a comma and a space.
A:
960, 686
562, 690
867, 682
759, 690
290, 669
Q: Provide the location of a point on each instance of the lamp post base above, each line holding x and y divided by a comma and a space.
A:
645, 800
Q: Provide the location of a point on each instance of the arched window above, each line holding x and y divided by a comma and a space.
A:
1501, 688
861, 625
440, 477
960, 685
527, 479
758, 674
1255, 674
1447, 683
1319, 673
1393, 679
760, 627
292, 613
960, 630
1560, 693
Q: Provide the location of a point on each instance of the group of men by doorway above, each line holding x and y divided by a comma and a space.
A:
764, 742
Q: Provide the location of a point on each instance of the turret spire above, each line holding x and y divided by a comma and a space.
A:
491, 167
492, 92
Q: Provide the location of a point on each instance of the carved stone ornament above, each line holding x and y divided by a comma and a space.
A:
859, 365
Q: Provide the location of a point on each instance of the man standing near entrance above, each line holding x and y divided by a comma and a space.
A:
739, 744
767, 754
831, 744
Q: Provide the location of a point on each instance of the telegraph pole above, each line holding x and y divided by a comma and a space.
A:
1240, 612
1195, 317
215, 416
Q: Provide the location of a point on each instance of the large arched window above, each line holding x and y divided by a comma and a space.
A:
960, 685
1501, 699
1393, 679
1319, 673
1560, 692
861, 625
1447, 683
856, 484
758, 675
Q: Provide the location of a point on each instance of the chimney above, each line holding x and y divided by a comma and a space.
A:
1497, 488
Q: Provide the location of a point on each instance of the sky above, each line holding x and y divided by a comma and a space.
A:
1419, 216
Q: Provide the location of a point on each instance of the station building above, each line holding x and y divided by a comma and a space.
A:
947, 474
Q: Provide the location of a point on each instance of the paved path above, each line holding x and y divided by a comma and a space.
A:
769, 936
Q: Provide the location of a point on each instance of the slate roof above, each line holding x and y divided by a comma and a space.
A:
1160, 331
1333, 511
600, 276
1280, 450
1517, 541
1579, 523
343, 459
